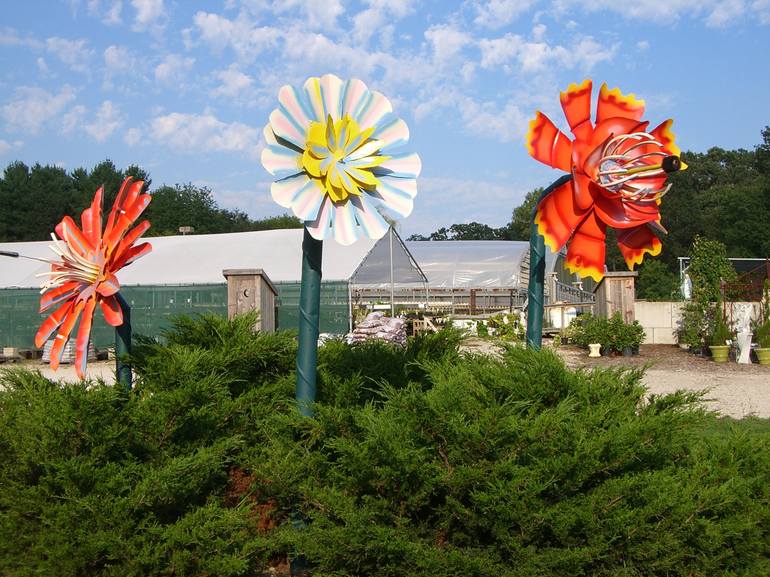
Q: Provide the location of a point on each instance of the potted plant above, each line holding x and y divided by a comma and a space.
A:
762, 338
719, 347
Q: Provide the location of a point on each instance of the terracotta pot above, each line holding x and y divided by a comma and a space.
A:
719, 353
763, 356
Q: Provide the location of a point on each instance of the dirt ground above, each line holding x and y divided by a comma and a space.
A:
732, 389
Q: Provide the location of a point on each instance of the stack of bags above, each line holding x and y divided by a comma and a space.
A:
379, 327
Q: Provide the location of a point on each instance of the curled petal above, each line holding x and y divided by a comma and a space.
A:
613, 103
548, 144
634, 243
557, 217
576, 103
57, 350
585, 254
52, 323
113, 314
84, 334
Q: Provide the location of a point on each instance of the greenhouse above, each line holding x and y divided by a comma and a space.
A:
183, 275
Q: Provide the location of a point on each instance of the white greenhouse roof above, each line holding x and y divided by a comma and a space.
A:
200, 259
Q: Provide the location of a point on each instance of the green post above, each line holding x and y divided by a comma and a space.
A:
536, 289
123, 346
309, 313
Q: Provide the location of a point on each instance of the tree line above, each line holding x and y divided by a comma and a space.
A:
34, 199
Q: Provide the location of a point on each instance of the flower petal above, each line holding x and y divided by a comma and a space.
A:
403, 165
397, 194
371, 222
284, 126
392, 133
345, 227
585, 254
320, 227
354, 98
52, 323
618, 214
576, 103
57, 350
69, 232
613, 103
295, 106
548, 144
557, 217
281, 161
635, 242
91, 219
376, 108
299, 193
331, 91
663, 134
110, 285
58, 294
312, 88
113, 314
84, 335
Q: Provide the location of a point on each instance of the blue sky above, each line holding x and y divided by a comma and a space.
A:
184, 88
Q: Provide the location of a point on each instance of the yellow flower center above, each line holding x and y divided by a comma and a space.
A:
340, 157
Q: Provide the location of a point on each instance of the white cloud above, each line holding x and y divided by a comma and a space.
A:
205, 132
487, 119
150, 15
108, 11
245, 38
499, 13
133, 136
173, 69
73, 53
378, 19
642, 45
42, 66
118, 61
106, 121
317, 14
32, 107
234, 83
6, 146
73, 118
714, 12
585, 53
725, 12
446, 41
9, 37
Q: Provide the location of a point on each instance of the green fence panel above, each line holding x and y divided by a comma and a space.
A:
153, 305
151, 308
335, 306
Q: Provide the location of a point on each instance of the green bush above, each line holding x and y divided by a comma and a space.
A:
419, 462
613, 333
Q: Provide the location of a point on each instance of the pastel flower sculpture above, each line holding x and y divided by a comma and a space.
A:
619, 172
84, 275
335, 149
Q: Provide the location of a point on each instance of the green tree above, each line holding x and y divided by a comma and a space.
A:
656, 282
521, 220
709, 268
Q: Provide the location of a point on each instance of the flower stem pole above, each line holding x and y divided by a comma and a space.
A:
123, 346
536, 291
309, 314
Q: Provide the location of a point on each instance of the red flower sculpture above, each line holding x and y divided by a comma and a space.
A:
619, 172
85, 275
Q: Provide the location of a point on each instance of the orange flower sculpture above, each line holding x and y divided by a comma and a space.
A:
619, 172
85, 273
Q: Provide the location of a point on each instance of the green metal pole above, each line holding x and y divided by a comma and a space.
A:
123, 346
309, 309
536, 290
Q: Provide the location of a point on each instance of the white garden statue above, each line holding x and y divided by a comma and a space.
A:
743, 324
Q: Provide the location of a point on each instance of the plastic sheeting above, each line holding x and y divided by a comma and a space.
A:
470, 264
374, 270
200, 259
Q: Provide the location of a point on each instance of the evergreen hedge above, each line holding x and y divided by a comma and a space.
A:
419, 462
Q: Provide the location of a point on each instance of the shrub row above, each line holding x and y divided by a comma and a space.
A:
419, 462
